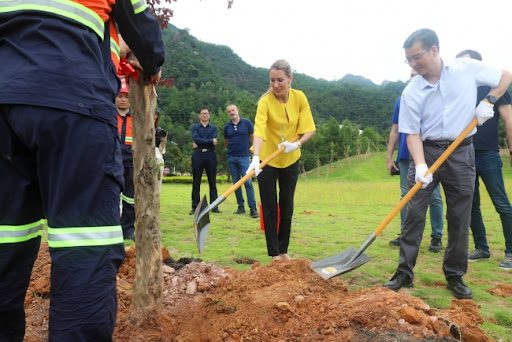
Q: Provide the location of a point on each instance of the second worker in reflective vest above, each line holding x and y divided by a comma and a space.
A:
124, 125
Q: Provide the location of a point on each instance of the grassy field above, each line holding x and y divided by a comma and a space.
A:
337, 207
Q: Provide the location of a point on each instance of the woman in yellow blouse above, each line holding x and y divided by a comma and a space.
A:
282, 114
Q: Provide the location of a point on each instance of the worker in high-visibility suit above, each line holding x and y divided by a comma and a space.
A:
124, 125
60, 156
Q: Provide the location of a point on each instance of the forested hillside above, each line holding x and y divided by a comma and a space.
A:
212, 75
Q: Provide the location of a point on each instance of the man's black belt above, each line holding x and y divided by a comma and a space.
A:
443, 144
205, 149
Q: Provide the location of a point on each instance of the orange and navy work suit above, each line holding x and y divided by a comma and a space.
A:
60, 157
124, 125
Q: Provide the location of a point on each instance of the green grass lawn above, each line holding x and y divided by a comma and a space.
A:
337, 207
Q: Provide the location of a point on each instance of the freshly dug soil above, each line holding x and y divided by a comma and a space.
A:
284, 301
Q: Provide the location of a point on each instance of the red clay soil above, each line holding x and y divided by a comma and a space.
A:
284, 301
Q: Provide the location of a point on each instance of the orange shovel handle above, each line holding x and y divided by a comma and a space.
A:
252, 172
432, 169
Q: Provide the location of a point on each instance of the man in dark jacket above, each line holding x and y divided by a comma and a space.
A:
60, 156
204, 135
488, 167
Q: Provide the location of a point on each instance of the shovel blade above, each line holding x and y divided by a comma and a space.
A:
339, 263
201, 223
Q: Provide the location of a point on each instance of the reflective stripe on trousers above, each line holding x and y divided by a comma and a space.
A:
21, 233
84, 236
127, 199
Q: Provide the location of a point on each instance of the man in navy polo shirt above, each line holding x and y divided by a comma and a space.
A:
238, 135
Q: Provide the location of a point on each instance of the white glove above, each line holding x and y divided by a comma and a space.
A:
421, 169
289, 146
484, 111
254, 165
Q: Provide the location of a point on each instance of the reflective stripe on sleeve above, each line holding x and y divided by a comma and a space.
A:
114, 47
21, 233
139, 6
65, 8
84, 236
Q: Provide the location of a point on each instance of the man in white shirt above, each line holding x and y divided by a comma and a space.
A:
436, 106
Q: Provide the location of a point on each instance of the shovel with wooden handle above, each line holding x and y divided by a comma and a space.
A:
202, 213
351, 259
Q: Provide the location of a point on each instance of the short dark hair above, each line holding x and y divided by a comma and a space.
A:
425, 36
203, 107
472, 53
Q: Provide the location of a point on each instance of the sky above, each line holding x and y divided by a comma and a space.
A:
331, 38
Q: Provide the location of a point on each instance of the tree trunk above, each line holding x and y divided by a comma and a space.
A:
148, 281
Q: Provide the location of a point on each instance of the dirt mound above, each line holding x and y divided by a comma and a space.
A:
282, 301
504, 290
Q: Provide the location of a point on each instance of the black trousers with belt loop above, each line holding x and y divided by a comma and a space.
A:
457, 176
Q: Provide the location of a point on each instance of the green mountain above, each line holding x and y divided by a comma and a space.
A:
213, 75
195, 64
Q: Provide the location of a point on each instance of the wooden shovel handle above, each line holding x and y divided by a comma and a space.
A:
432, 169
252, 172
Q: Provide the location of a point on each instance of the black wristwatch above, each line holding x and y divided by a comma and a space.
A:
491, 99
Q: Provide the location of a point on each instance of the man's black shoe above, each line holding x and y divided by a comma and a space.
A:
216, 210
395, 242
239, 211
254, 213
459, 289
192, 212
398, 281
435, 246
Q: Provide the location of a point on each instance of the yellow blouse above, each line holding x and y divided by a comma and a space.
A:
276, 122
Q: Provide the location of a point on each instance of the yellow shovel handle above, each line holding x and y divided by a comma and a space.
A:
432, 169
252, 172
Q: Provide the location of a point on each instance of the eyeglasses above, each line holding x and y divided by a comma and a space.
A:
235, 128
411, 59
